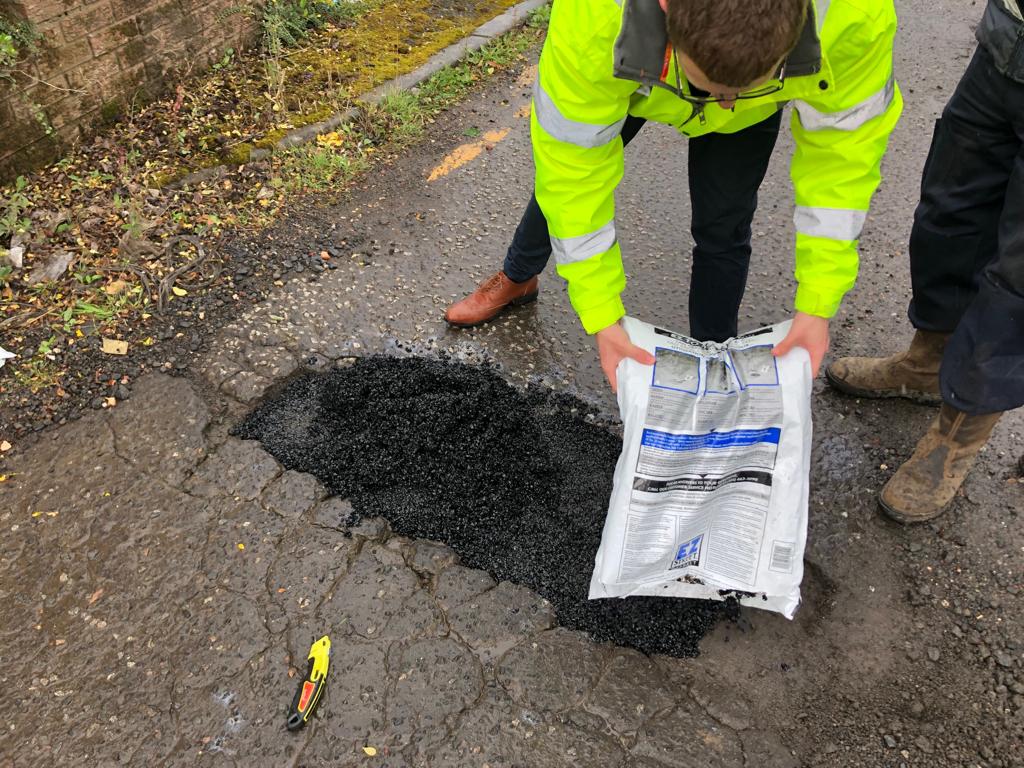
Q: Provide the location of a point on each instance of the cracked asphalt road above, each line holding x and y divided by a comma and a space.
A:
160, 580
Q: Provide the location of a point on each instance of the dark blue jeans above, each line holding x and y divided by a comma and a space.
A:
725, 171
967, 244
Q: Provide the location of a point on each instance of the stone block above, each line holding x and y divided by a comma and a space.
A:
39, 11
162, 14
56, 59
113, 37
87, 19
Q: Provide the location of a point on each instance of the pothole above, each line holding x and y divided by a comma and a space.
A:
517, 483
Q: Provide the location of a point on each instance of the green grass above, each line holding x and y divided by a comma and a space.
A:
315, 168
539, 17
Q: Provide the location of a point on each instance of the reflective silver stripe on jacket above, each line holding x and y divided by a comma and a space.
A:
849, 119
833, 223
560, 127
569, 250
1014, 9
820, 9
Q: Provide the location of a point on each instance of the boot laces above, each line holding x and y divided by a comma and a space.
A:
491, 284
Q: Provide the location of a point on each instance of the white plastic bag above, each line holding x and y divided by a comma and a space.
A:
710, 491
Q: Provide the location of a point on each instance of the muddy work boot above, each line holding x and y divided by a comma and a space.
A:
929, 479
913, 374
490, 297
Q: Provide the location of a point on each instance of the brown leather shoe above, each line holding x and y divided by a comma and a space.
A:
913, 374
488, 300
926, 483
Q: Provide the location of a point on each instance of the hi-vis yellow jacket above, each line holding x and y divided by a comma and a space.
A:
604, 59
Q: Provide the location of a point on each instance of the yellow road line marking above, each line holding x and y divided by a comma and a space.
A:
466, 153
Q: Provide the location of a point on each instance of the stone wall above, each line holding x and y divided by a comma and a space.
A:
95, 56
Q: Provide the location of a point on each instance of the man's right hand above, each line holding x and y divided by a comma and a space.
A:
613, 345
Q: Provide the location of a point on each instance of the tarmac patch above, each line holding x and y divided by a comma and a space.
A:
516, 482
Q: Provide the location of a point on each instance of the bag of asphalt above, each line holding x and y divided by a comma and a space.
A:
710, 490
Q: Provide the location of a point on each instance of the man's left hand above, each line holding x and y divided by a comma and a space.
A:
809, 332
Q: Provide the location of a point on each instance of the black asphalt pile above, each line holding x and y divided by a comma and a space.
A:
516, 483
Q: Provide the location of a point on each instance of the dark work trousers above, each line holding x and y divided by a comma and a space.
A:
967, 244
725, 171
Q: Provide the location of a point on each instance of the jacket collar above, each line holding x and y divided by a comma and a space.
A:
641, 49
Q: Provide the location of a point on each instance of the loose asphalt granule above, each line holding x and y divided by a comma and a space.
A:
516, 483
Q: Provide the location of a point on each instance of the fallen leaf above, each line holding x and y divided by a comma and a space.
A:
115, 287
332, 139
109, 402
5, 446
95, 595
370, 751
13, 256
179, 291
115, 347
55, 266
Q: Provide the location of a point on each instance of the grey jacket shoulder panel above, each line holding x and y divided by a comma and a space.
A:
1001, 33
640, 47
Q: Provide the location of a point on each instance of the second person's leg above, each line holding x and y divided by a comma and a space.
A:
955, 234
725, 171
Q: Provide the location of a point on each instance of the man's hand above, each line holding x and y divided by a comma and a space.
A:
809, 332
613, 345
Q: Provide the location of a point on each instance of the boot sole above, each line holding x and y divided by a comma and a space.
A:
924, 398
904, 519
522, 301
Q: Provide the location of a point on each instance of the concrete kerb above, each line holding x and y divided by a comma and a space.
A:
514, 17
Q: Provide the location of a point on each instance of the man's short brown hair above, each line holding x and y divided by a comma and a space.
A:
735, 42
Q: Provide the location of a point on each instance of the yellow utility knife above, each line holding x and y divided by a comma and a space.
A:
312, 687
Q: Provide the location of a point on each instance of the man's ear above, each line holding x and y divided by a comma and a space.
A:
664, 5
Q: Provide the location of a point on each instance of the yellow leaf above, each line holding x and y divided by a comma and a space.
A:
332, 139
370, 751
179, 291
